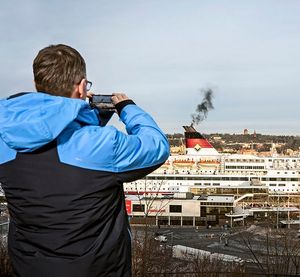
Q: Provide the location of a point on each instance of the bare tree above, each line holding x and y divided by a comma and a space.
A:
5, 265
149, 198
274, 252
150, 255
205, 266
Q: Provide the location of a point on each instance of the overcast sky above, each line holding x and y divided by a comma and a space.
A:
163, 52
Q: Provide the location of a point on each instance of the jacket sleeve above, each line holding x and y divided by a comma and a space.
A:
130, 156
143, 149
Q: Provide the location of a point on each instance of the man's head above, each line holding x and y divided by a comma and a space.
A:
60, 70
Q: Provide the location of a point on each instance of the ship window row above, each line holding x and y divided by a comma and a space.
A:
148, 189
243, 160
280, 179
207, 184
283, 160
243, 167
278, 172
216, 204
197, 178
277, 190
228, 190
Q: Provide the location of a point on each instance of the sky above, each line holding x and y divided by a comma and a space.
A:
162, 53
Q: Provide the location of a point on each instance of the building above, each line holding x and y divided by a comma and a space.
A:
182, 210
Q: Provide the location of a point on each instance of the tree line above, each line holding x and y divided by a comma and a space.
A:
258, 142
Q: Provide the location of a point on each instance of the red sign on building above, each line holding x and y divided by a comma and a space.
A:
128, 206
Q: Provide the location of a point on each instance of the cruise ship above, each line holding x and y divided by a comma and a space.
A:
203, 170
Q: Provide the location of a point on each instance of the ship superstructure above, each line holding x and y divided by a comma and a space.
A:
203, 170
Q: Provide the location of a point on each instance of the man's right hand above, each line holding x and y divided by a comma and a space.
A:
118, 97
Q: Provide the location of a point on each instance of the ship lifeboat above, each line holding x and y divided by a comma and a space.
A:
183, 163
208, 163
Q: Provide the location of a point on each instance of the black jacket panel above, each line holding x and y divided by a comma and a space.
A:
61, 215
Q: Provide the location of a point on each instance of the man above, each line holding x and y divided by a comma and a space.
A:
62, 172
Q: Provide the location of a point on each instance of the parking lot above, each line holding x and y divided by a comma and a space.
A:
233, 241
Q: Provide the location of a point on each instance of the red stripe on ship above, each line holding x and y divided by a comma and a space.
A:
191, 143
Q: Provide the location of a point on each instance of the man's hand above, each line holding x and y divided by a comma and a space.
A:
89, 94
118, 97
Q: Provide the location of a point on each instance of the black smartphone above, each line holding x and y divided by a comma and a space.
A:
102, 101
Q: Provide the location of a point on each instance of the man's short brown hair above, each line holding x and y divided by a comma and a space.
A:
57, 68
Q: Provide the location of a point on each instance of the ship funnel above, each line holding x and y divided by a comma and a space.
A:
196, 144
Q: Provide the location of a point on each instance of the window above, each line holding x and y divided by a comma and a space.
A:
175, 208
138, 207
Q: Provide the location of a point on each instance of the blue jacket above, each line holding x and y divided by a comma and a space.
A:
62, 174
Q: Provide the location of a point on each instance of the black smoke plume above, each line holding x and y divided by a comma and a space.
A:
203, 108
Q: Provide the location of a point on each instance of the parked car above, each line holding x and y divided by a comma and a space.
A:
161, 238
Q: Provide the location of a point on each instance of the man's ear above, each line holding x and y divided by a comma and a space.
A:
79, 90
82, 89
